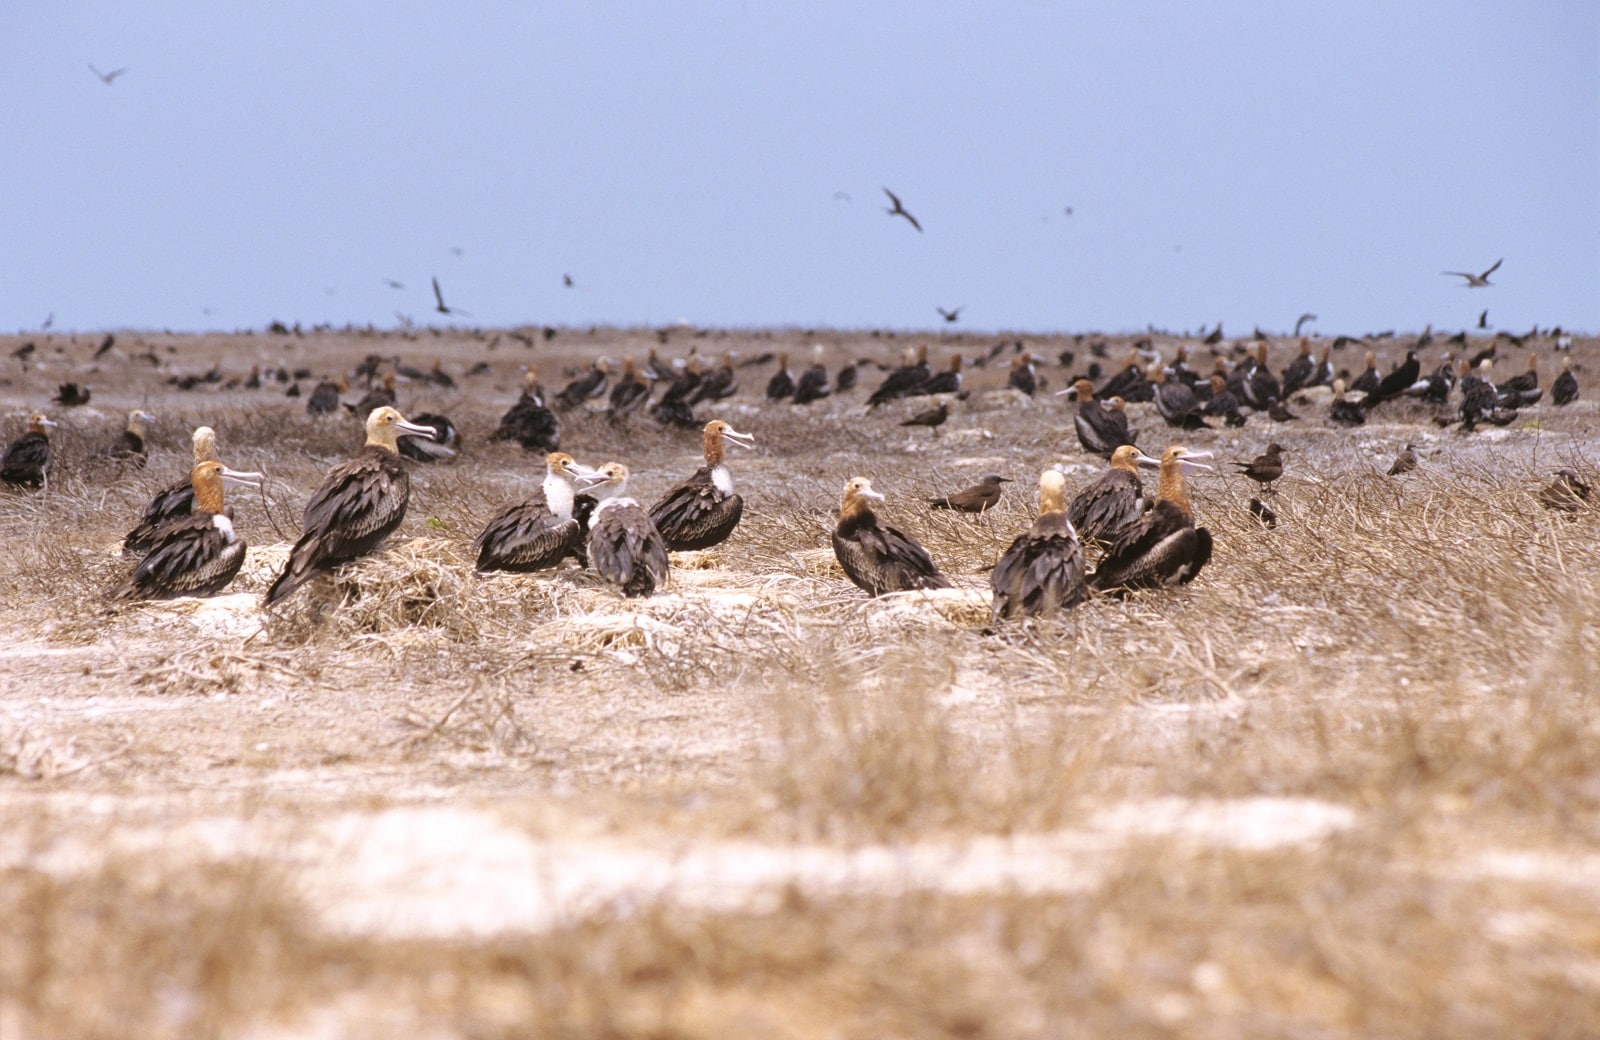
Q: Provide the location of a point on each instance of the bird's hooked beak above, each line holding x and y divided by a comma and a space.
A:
240, 478
743, 440
867, 492
1070, 393
1146, 461
1190, 466
48, 424
403, 428
581, 473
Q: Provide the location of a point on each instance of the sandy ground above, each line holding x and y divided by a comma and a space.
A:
1396, 685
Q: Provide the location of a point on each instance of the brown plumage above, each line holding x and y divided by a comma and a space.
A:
27, 459
630, 392
1165, 548
1042, 571
975, 499
324, 400
539, 531
529, 422
380, 396
933, 418
172, 501
876, 557
1102, 425
624, 546
1568, 493
1266, 467
360, 504
129, 447
199, 553
703, 510
1404, 462
1114, 502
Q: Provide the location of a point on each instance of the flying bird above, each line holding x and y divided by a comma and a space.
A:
391, 283
1308, 316
566, 280
441, 308
898, 210
1483, 319
1477, 281
106, 77
951, 315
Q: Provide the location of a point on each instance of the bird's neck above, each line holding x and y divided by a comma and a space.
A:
559, 496
1172, 487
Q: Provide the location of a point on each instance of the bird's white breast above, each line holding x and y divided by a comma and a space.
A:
722, 480
558, 496
224, 525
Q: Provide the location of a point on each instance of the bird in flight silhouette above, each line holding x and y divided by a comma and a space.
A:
441, 308
1477, 281
898, 210
106, 77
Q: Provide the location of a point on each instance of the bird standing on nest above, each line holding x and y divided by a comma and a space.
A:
1042, 570
197, 554
359, 504
27, 459
876, 557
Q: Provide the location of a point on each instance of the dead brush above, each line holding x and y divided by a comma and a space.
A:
482, 719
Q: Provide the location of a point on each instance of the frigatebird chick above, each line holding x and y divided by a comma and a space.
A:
719, 383
1114, 502
703, 510
1266, 467
539, 531
813, 385
624, 546
1165, 548
975, 499
1345, 411
1102, 426
946, 382
380, 396
1022, 375
359, 504
199, 553
876, 557
1568, 493
1042, 570
1175, 400
129, 447
587, 386
324, 399
781, 386
904, 380
27, 459
1565, 389
630, 393
529, 422
174, 500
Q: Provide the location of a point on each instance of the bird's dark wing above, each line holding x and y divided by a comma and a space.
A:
525, 537
1041, 572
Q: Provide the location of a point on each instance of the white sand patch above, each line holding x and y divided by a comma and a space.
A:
1248, 823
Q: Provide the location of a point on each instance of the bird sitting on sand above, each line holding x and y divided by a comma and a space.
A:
876, 557
1165, 548
703, 510
130, 447
27, 459
359, 504
975, 499
539, 531
172, 501
624, 546
1042, 570
197, 554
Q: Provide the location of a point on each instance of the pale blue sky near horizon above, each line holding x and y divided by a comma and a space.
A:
724, 164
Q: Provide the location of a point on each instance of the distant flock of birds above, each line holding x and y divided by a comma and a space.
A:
186, 544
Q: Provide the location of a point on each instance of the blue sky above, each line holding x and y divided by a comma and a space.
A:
723, 163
